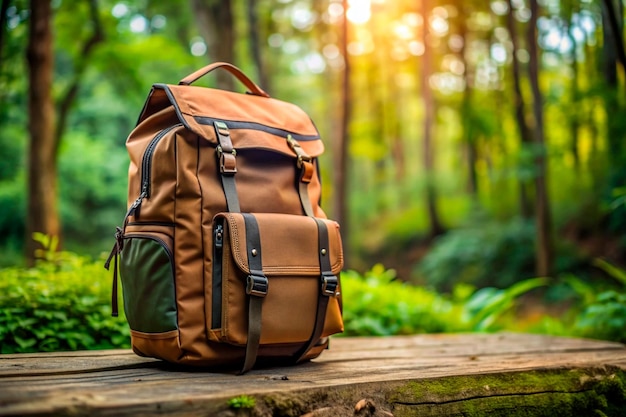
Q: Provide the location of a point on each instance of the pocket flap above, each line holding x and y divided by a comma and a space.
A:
289, 243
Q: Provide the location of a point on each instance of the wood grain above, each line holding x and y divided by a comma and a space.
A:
116, 382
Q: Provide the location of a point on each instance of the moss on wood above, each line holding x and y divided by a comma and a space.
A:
550, 392
580, 392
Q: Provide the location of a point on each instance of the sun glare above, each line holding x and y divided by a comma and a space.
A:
359, 11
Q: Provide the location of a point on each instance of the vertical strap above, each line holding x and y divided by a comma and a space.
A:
226, 155
329, 284
115, 252
256, 288
307, 169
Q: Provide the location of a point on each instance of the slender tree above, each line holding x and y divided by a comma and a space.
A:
254, 34
520, 111
4, 7
470, 138
428, 101
341, 158
215, 24
42, 213
542, 203
612, 50
614, 27
574, 116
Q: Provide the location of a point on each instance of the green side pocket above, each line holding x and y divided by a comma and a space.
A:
147, 274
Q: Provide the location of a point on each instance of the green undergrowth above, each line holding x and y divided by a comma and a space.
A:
376, 303
64, 303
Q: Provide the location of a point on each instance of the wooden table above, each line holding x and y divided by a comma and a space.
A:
425, 375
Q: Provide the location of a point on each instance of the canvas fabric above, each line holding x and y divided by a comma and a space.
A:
225, 256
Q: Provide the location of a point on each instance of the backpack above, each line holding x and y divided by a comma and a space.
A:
225, 255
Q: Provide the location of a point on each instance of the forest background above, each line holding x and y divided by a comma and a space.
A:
471, 145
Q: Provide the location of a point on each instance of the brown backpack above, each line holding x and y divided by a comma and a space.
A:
225, 256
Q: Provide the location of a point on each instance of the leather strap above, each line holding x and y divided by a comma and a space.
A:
307, 169
329, 285
254, 89
226, 155
256, 288
115, 252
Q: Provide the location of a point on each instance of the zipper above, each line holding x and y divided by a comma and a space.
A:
146, 163
146, 171
256, 126
166, 224
216, 293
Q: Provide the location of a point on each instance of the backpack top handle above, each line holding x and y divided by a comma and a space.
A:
254, 89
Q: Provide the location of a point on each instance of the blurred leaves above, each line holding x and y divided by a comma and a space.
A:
63, 303
481, 253
378, 304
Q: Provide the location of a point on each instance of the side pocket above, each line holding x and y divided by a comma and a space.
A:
157, 345
147, 274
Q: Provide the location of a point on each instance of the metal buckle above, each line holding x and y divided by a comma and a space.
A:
222, 158
330, 284
257, 285
295, 146
220, 151
302, 159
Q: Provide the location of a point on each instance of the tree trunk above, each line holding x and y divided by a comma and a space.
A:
613, 28
542, 203
428, 129
215, 23
3, 26
42, 215
255, 43
610, 53
341, 159
520, 116
466, 110
574, 116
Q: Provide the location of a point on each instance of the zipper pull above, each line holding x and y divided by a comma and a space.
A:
136, 206
219, 236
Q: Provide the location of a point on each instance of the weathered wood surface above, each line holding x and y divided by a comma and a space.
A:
466, 374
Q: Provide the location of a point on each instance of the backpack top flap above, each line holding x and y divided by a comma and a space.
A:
199, 107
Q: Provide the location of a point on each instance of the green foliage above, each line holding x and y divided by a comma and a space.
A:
605, 317
63, 303
484, 253
485, 307
93, 186
242, 402
378, 304
603, 314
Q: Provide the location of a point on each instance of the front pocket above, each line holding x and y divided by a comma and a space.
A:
147, 274
291, 263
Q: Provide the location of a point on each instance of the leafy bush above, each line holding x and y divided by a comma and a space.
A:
484, 254
603, 315
63, 303
486, 308
376, 304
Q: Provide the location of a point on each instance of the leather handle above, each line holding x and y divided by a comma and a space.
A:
254, 89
